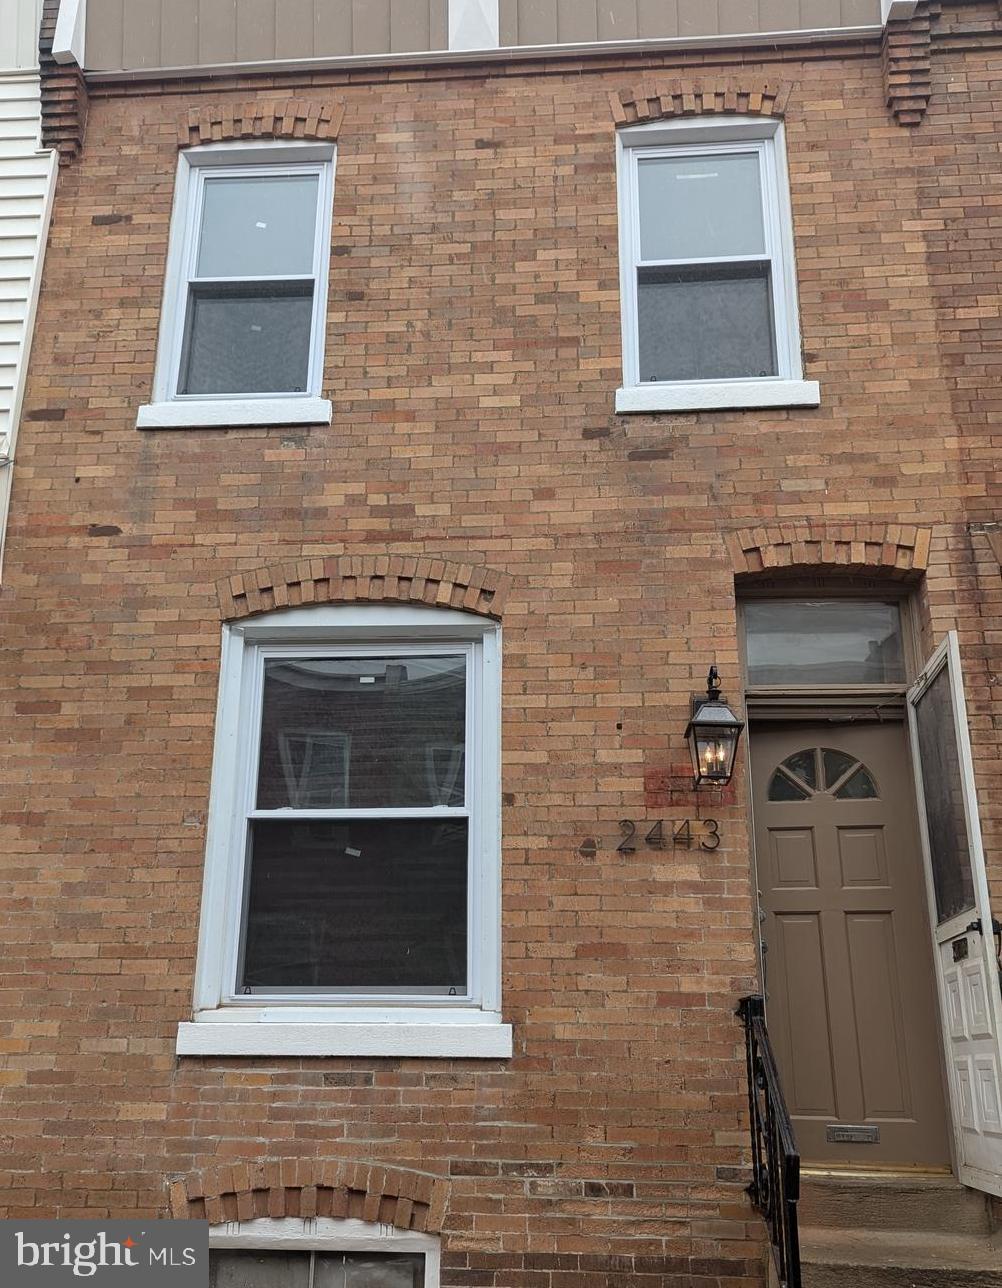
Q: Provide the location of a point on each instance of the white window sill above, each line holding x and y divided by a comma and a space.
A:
722, 395
222, 413
465, 1035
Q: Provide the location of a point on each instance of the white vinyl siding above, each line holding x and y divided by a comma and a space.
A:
27, 182
19, 23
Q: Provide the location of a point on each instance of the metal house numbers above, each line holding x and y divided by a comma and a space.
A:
665, 834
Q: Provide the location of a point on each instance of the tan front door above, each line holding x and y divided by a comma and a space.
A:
850, 992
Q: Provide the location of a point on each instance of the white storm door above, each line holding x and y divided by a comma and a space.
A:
967, 968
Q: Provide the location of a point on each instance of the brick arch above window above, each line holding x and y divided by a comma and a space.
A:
366, 578
294, 118
660, 100
405, 1199
894, 549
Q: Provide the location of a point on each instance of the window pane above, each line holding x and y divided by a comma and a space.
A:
942, 785
705, 323
362, 904
363, 733
369, 1270
258, 227
258, 1269
247, 340
701, 207
823, 642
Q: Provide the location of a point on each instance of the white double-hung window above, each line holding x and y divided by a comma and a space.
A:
245, 298
708, 285
351, 898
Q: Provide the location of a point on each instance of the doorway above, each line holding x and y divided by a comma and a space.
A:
850, 989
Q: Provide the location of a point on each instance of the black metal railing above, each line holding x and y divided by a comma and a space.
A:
775, 1186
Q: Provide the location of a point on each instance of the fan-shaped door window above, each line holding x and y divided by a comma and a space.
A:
818, 771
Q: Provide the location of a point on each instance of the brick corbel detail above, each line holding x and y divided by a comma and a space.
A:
907, 58
658, 100
64, 93
894, 550
293, 118
365, 578
408, 1200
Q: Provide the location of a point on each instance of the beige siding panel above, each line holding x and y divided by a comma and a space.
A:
408, 27
576, 22
508, 23
334, 28
537, 22
217, 31
738, 15
779, 15
860, 13
103, 35
438, 24
371, 26
178, 33
617, 20
657, 19
141, 33
698, 18
820, 13
255, 40
296, 26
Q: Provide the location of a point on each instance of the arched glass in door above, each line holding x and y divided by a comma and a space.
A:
822, 771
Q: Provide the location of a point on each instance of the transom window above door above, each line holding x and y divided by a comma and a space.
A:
822, 770
808, 643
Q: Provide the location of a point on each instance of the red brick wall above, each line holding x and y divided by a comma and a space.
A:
472, 356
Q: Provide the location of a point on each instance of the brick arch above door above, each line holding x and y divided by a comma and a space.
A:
302, 1188
891, 549
663, 99
442, 583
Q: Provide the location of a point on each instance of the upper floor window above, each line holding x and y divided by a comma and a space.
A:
245, 297
707, 269
351, 900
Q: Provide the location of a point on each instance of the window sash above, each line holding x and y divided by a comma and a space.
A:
250, 752
190, 280
783, 325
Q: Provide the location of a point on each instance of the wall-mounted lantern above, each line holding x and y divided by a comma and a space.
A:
712, 735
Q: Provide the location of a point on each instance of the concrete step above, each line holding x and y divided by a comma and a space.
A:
900, 1259
895, 1202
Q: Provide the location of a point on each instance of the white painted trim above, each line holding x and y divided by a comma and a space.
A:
507, 54
328, 1234
9, 449
343, 1021
71, 31
766, 139
718, 395
417, 1040
947, 657
222, 413
892, 10
474, 24
168, 410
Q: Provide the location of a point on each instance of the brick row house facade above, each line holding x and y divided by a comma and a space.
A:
492, 369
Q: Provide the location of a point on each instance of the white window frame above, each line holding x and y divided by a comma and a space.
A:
327, 1234
225, 1023
172, 410
708, 137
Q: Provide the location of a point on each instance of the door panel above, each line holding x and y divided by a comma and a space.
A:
957, 886
849, 982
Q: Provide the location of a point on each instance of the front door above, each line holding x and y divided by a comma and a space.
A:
850, 992
964, 945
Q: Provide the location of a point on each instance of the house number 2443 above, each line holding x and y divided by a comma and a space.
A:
704, 832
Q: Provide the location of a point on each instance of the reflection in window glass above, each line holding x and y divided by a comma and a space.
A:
363, 733
701, 207
942, 785
782, 788
860, 787
837, 765
818, 642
